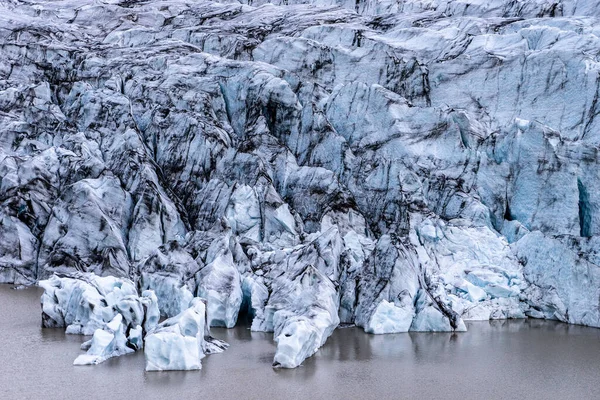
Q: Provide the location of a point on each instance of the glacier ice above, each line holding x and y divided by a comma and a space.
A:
108, 342
122, 322
389, 318
302, 313
180, 342
85, 302
563, 284
220, 284
169, 273
106, 307
395, 165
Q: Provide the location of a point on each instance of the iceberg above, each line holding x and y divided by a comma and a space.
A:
181, 342
108, 342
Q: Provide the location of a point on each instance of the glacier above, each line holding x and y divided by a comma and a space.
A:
397, 165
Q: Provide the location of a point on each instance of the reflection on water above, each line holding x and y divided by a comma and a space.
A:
528, 359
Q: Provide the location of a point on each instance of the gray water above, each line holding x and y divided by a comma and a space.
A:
520, 359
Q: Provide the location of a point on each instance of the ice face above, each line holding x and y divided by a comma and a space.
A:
388, 318
380, 163
562, 282
302, 313
169, 272
151, 310
220, 284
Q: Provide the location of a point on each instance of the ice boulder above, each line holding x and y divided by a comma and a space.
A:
109, 308
108, 342
430, 318
180, 342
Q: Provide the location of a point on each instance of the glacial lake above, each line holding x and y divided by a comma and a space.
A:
518, 359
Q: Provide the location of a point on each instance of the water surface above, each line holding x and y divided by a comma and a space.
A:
519, 359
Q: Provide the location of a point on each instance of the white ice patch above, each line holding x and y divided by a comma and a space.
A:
389, 318
106, 343
180, 342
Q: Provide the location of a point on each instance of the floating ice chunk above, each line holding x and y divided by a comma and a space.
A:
389, 318
106, 307
101, 347
180, 342
296, 341
106, 343
166, 351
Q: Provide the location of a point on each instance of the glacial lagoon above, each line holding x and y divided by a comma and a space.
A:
511, 359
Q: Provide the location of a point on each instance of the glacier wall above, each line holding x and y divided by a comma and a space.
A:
398, 165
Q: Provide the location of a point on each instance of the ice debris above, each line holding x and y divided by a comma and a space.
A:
122, 322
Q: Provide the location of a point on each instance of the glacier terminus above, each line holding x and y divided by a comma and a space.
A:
399, 165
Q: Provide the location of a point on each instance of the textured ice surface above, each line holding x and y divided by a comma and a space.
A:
395, 165
108, 342
389, 318
106, 307
220, 284
180, 342
87, 302
303, 315
169, 272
